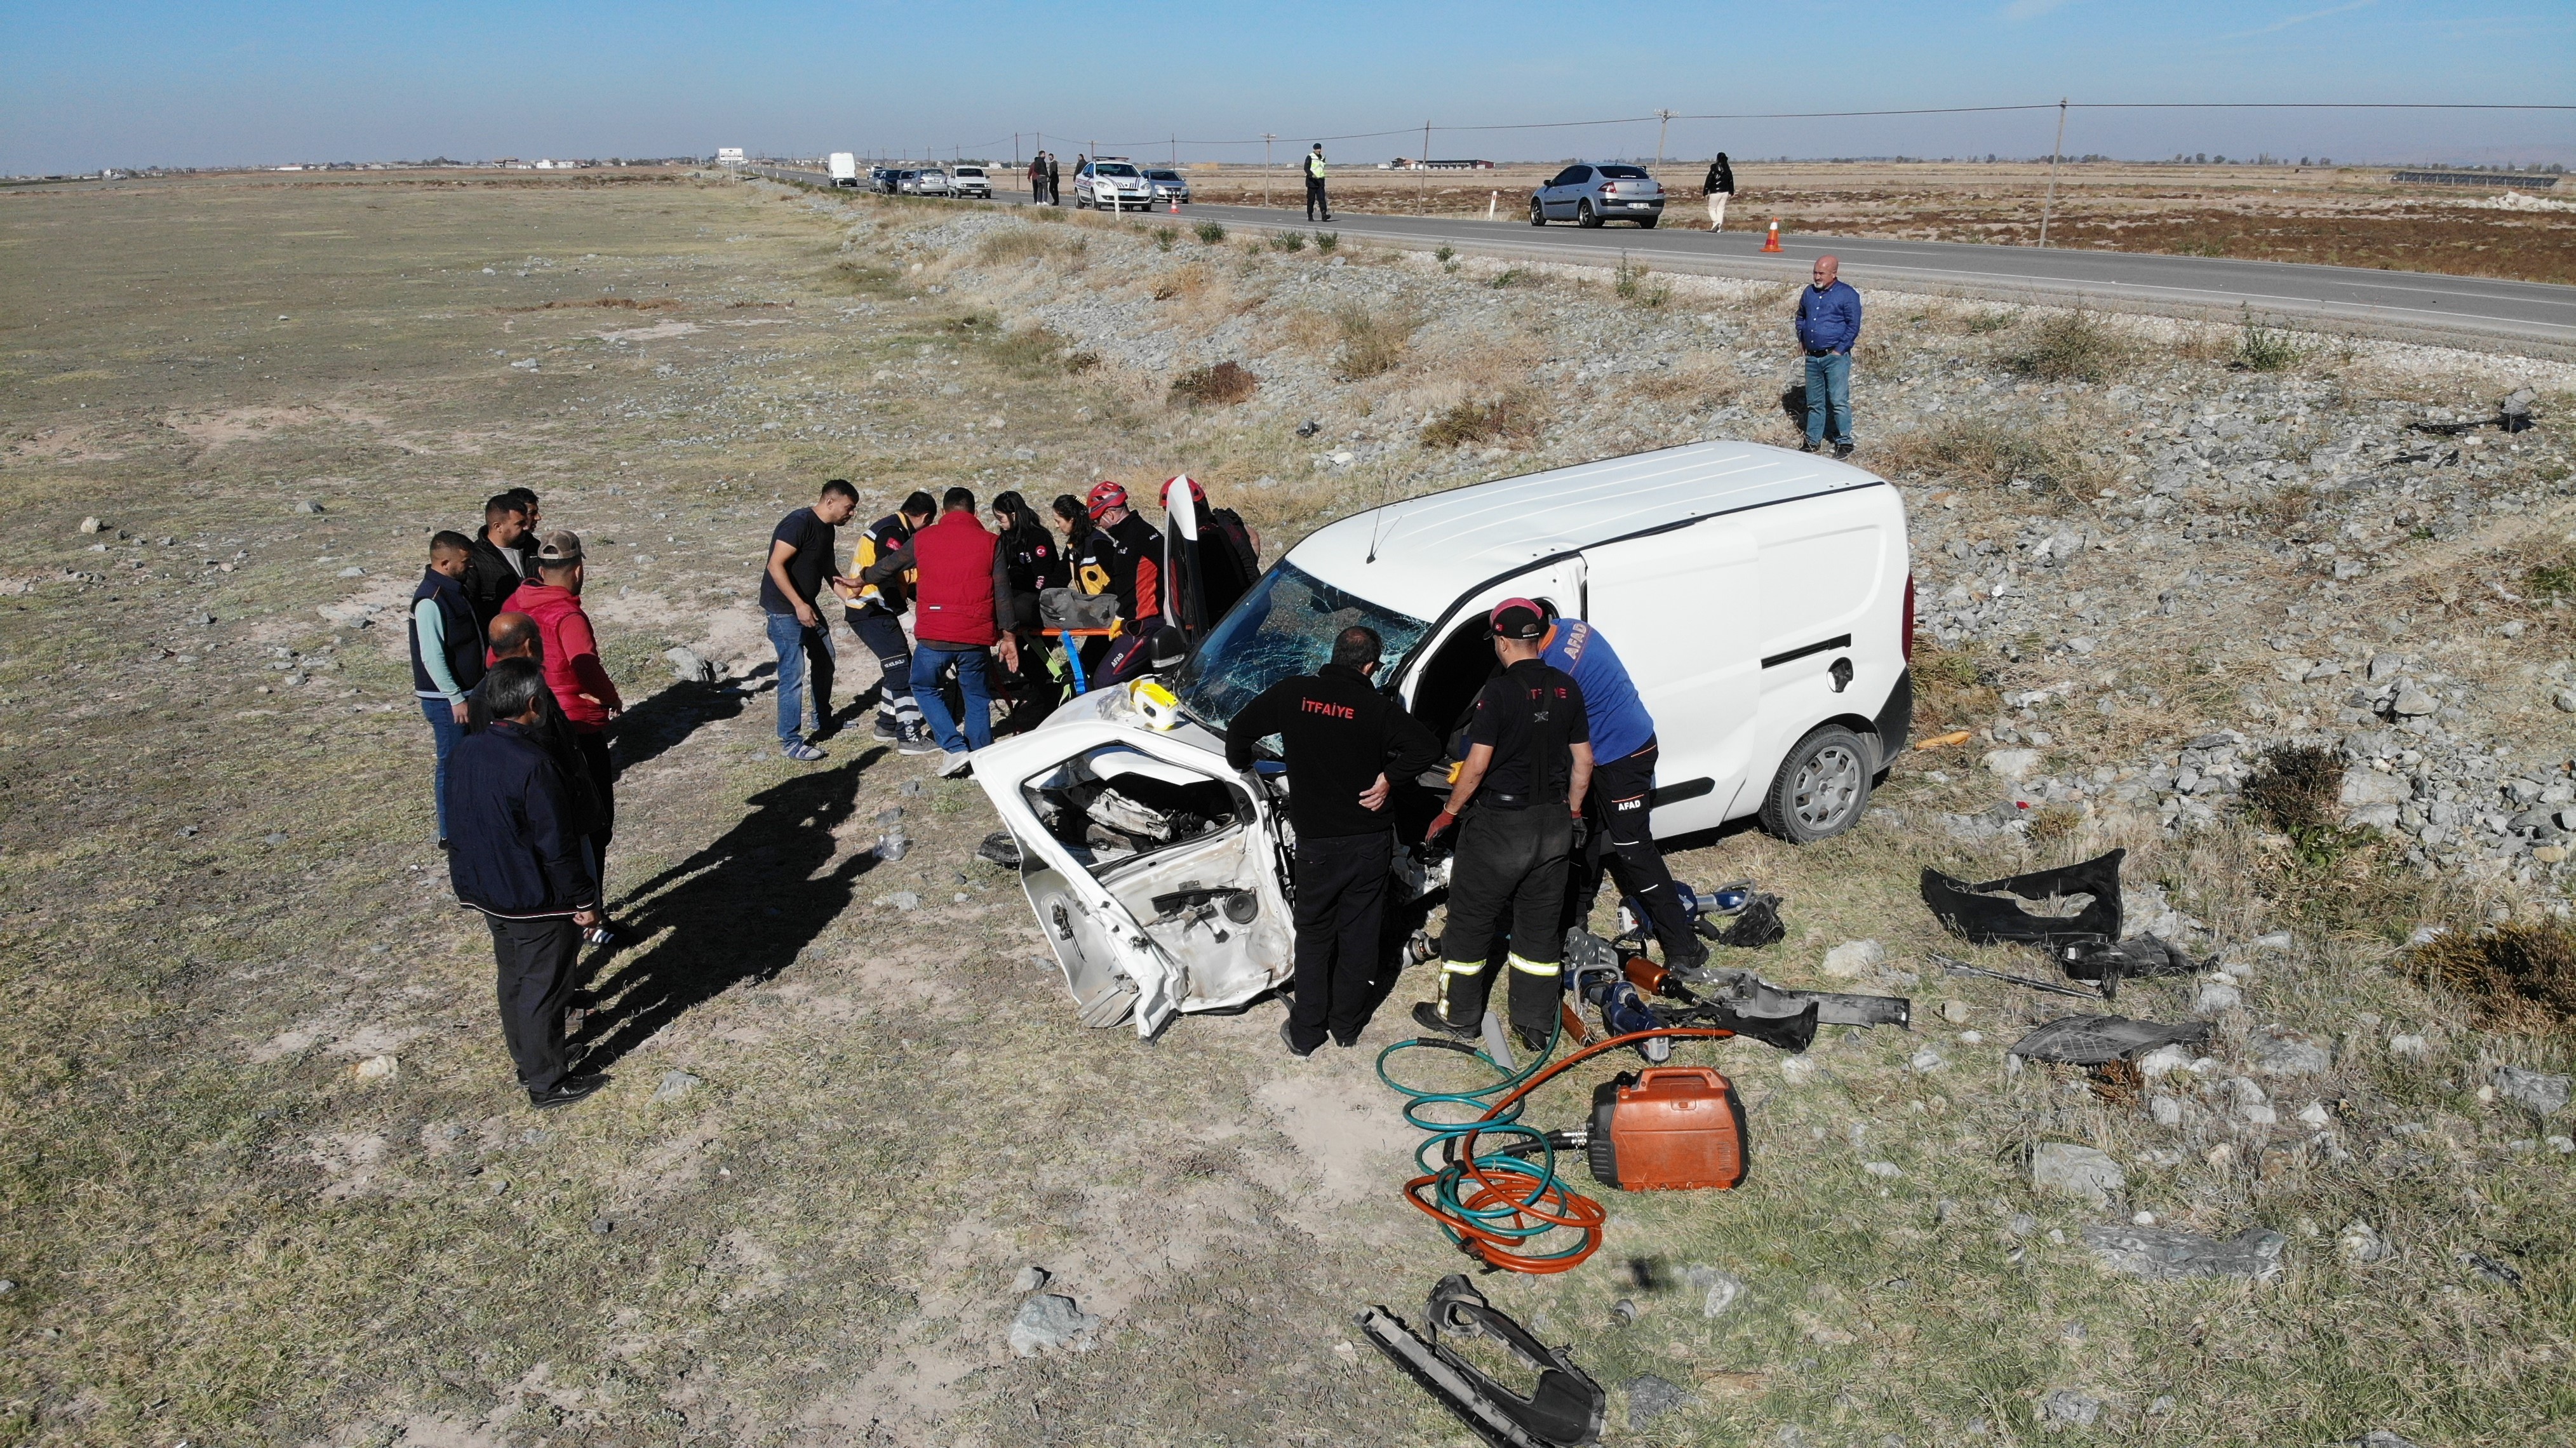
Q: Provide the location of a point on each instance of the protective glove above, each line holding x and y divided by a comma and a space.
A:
1582, 834
1439, 822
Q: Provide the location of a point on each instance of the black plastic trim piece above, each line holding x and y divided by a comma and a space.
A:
1676, 793
1838, 641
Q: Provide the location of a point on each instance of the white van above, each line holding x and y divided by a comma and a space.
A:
845, 169
1761, 599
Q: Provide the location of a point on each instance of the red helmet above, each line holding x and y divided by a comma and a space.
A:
1197, 493
1105, 496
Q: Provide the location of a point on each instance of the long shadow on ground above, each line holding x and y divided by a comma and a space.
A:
737, 911
658, 724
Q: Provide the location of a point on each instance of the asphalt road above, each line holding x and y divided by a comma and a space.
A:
2413, 304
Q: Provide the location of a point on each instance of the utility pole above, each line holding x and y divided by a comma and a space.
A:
1176, 151
1422, 193
2059, 149
1266, 139
1663, 121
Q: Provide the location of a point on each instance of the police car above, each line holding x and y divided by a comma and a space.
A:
1760, 597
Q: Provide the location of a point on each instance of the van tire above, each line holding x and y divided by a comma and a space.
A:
1822, 787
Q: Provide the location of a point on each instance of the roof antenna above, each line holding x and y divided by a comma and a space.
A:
1384, 498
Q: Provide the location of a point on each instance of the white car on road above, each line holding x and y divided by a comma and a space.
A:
1760, 598
971, 181
1112, 186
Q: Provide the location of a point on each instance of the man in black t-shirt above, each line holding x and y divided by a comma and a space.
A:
1344, 744
800, 561
1529, 762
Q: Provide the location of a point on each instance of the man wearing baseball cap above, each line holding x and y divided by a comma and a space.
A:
580, 682
1529, 763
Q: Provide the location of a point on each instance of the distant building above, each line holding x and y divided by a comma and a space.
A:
2500, 180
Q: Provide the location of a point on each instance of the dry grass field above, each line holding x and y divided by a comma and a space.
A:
263, 1174
2338, 217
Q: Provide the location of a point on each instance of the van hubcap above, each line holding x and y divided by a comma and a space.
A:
1826, 787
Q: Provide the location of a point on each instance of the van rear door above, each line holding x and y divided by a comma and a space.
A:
1679, 606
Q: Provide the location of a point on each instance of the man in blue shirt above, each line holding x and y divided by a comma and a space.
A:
1620, 804
1828, 325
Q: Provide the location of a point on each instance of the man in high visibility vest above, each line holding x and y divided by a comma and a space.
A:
1315, 201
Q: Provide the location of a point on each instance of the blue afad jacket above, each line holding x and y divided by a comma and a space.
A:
1620, 724
508, 818
1828, 320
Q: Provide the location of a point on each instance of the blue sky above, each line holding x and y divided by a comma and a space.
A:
108, 83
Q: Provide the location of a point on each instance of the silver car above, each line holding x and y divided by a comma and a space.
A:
1589, 194
931, 182
1169, 186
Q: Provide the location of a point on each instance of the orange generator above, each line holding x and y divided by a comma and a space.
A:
1667, 1128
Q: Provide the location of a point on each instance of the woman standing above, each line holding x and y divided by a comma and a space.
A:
1720, 185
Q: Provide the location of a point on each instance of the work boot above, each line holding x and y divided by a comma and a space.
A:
1288, 1038
566, 1091
914, 738
1427, 1015
1684, 956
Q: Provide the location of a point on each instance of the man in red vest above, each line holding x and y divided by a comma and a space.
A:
963, 593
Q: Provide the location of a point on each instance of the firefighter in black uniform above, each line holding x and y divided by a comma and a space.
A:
875, 612
1528, 765
1343, 742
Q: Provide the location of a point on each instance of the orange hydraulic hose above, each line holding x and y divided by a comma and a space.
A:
1539, 1200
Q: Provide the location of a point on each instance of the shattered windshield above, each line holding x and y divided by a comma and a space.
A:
1284, 626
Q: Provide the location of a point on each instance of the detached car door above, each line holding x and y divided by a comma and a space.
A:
1155, 871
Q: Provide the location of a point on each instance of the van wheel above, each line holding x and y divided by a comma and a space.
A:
1822, 787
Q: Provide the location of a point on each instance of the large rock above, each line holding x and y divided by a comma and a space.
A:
2414, 704
2163, 1254
1854, 958
2537, 1090
2078, 1171
2369, 786
2278, 1051
1051, 1320
688, 667
2012, 763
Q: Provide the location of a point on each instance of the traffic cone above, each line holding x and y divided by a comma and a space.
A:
1176, 203
1772, 242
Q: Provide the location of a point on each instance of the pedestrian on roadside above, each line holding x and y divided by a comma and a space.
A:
498, 562
519, 859
963, 594
801, 550
1037, 179
1055, 181
1828, 326
1528, 768
1720, 186
875, 614
1315, 200
1343, 743
446, 654
582, 688
1035, 564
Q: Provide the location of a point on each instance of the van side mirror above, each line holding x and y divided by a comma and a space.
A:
1842, 673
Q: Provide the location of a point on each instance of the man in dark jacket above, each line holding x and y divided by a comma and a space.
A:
498, 563
1828, 327
1344, 744
1055, 181
519, 861
446, 654
1720, 187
